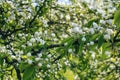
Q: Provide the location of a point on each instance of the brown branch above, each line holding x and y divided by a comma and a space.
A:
17, 72
47, 47
30, 23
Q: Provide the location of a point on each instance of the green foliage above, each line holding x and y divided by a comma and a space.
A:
29, 73
117, 18
53, 40
100, 41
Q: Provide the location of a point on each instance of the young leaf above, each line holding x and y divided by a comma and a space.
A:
28, 73
117, 18
100, 41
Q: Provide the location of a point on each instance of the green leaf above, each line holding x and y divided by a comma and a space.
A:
90, 22
1, 61
23, 66
28, 73
100, 41
81, 44
117, 18
67, 40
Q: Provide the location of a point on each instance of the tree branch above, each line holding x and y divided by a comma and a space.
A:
47, 47
17, 72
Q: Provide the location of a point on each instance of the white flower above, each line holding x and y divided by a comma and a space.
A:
92, 31
37, 59
45, 32
91, 43
107, 53
13, 57
66, 62
69, 50
38, 39
64, 36
48, 66
37, 34
19, 59
81, 31
39, 64
67, 17
21, 52
42, 42
83, 39
59, 65
49, 55
95, 25
29, 44
109, 21
106, 36
102, 21
109, 31
74, 24
29, 61
100, 11
53, 34
28, 54
26, 35
40, 54
66, 44
19, 34
23, 46
46, 59
86, 29
93, 55
75, 29
32, 40
55, 39
88, 44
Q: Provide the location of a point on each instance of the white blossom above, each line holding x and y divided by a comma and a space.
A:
55, 39
30, 61
67, 17
37, 34
32, 40
83, 39
40, 54
48, 65
53, 34
107, 53
69, 50
107, 36
39, 64
91, 43
20, 35
95, 25
29, 44
88, 44
76, 30
45, 32
37, 59
21, 52
13, 57
81, 31
19, 59
102, 22
109, 31
49, 55
74, 24
46, 59
109, 21
28, 54
42, 42
93, 55
92, 31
